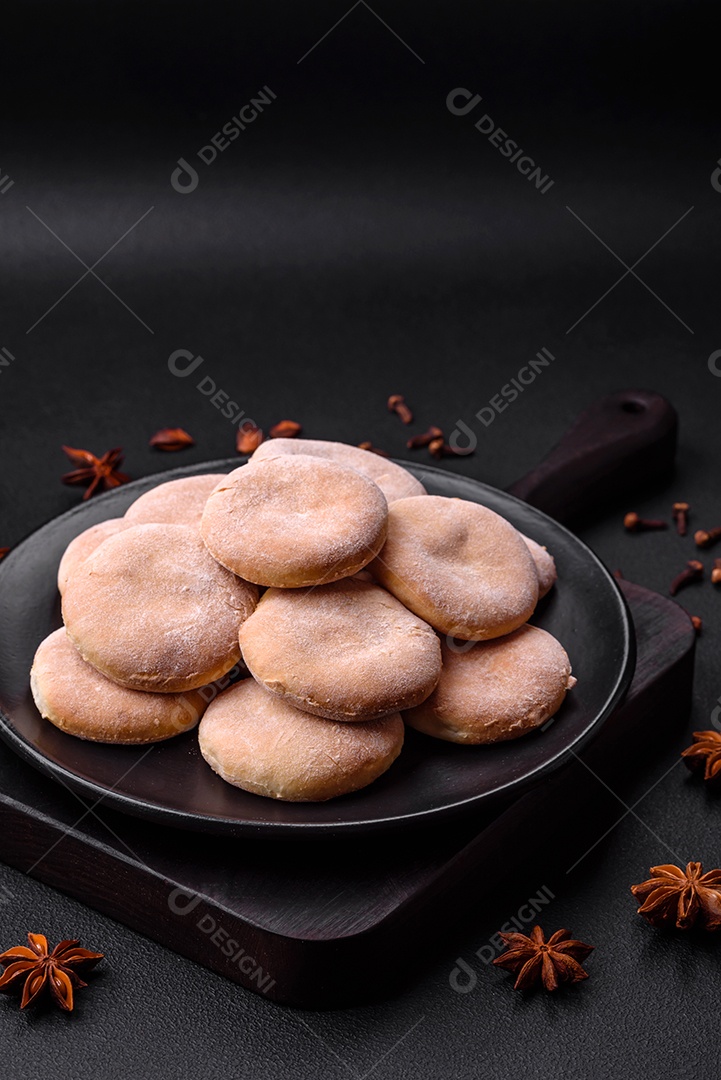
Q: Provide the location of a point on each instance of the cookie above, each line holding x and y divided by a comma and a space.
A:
152, 610
545, 566
496, 690
394, 481
346, 651
291, 521
457, 565
176, 502
263, 744
84, 545
76, 698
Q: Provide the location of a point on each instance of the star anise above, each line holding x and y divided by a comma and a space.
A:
551, 962
704, 755
97, 472
285, 429
171, 439
38, 969
248, 438
682, 898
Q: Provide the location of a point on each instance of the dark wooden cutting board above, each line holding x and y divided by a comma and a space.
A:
323, 923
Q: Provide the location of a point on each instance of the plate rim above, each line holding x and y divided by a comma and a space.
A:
209, 824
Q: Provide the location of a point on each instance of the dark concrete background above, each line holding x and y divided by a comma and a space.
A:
355, 241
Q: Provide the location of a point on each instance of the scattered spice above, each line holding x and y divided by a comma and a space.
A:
704, 754
96, 472
285, 429
3, 552
416, 441
633, 523
680, 511
397, 405
697, 623
438, 449
372, 449
248, 439
693, 572
716, 572
551, 962
171, 438
682, 898
35, 969
618, 574
706, 537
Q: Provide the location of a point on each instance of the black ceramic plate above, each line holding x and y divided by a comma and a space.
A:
170, 783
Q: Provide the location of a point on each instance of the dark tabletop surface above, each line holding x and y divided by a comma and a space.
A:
359, 239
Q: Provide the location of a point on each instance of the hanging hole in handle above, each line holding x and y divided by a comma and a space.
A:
632, 406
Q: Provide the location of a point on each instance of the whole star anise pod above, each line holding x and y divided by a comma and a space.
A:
171, 439
704, 755
96, 472
682, 898
285, 429
38, 969
551, 962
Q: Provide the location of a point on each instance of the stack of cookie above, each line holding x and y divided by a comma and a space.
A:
356, 601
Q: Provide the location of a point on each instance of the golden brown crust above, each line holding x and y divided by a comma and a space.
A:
82, 547
491, 691
176, 502
394, 481
293, 521
346, 651
262, 744
152, 610
545, 566
458, 565
76, 698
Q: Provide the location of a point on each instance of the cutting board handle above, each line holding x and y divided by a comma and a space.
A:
621, 442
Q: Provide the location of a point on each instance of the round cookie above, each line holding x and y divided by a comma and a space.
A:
545, 566
76, 698
496, 690
176, 502
345, 651
458, 565
152, 610
263, 744
84, 545
394, 481
293, 521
